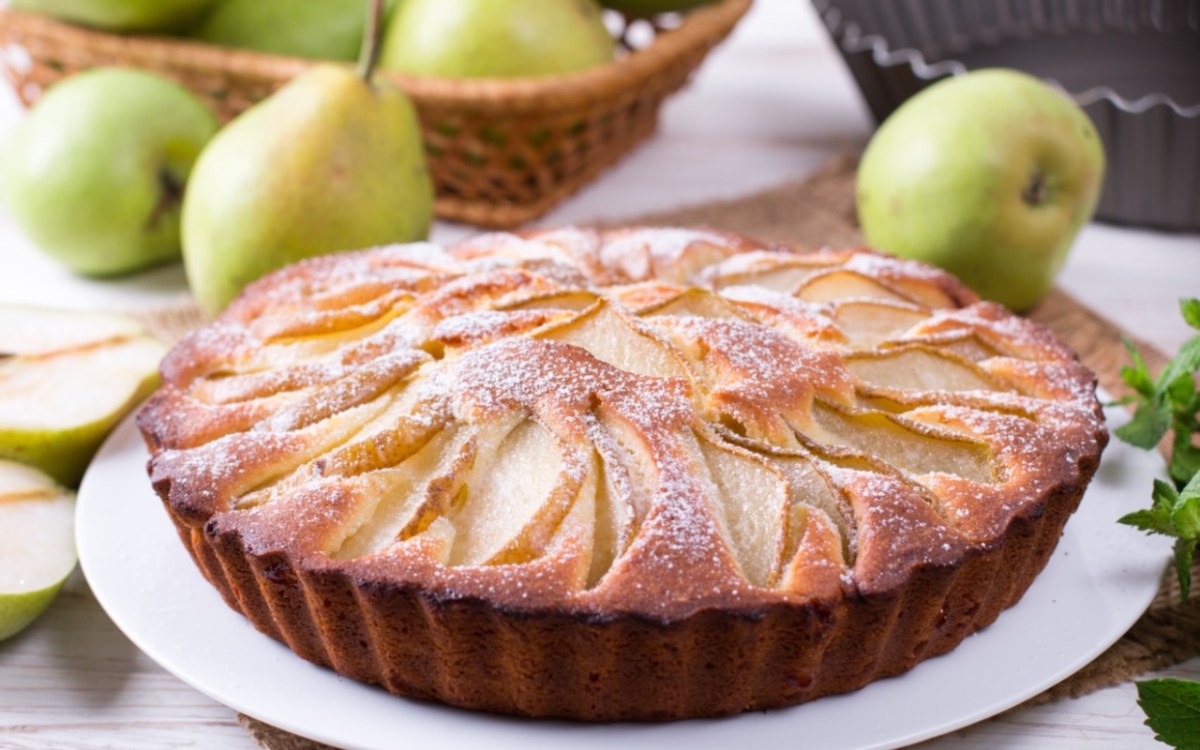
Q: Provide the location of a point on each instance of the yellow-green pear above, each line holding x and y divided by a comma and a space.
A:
496, 38
120, 15
66, 379
95, 174
332, 161
37, 544
989, 175
320, 29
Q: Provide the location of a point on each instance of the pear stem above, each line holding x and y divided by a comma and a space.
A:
372, 40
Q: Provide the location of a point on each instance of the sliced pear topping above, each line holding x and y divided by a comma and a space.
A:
305, 323
902, 445
578, 300
623, 487
752, 500
843, 285
508, 486
612, 338
782, 278
440, 536
400, 493
970, 348
920, 369
868, 323
545, 524
808, 487
35, 331
697, 303
609, 527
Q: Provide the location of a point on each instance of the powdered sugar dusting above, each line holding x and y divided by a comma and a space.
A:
415, 341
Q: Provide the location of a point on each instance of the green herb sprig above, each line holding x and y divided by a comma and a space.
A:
1170, 403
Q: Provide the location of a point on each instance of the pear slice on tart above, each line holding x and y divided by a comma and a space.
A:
66, 379
37, 544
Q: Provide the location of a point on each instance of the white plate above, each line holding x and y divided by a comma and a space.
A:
1100, 579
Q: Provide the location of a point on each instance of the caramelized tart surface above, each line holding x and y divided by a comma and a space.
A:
566, 472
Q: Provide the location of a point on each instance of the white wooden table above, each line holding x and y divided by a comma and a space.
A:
769, 106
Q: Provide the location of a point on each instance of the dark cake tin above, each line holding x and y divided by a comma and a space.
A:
1133, 65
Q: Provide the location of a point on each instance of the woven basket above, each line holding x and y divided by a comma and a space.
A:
502, 151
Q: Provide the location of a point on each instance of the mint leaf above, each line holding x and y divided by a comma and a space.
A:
1185, 517
1137, 375
1183, 365
1181, 393
1157, 518
1185, 458
1190, 309
1150, 521
1172, 710
1190, 491
1148, 426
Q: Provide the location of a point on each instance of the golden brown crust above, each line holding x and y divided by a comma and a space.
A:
638, 474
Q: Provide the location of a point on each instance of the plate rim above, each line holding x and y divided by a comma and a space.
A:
126, 433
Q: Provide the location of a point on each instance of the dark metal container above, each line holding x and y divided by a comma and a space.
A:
1133, 65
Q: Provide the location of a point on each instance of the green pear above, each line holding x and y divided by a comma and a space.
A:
95, 174
989, 175
329, 162
120, 15
496, 38
66, 379
320, 29
37, 544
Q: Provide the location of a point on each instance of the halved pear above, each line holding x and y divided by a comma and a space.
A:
37, 544
66, 379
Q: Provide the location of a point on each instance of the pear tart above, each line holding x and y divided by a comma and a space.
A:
637, 474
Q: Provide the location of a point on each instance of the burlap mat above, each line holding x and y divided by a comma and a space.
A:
819, 211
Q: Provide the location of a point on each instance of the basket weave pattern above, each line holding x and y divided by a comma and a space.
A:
502, 151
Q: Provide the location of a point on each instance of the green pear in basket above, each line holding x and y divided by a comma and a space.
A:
120, 15
318, 29
332, 161
496, 38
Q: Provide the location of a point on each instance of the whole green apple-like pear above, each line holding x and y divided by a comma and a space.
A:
989, 175
120, 15
332, 161
95, 174
319, 29
496, 38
